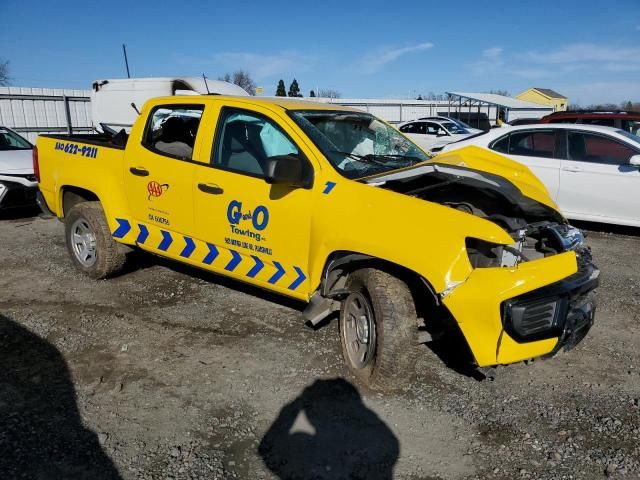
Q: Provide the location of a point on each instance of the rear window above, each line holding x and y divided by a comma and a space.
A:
534, 143
172, 129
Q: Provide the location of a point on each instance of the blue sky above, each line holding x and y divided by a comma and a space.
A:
587, 50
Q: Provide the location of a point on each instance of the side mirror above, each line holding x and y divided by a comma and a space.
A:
635, 161
285, 170
441, 133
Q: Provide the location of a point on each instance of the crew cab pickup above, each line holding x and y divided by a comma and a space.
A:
334, 207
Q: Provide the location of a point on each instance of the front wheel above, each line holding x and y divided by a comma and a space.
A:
89, 241
378, 330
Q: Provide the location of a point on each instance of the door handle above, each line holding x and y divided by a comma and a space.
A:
210, 188
572, 169
139, 171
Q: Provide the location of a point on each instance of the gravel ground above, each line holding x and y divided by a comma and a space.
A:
170, 373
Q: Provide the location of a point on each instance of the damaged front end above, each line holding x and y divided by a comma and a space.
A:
521, 300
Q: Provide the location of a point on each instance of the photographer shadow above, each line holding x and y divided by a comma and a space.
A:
327, 432
41, 432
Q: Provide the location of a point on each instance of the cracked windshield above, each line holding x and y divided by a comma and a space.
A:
358, 144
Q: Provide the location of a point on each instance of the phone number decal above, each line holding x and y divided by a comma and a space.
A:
74, 149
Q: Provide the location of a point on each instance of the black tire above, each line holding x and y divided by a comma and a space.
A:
108, 258
392, 363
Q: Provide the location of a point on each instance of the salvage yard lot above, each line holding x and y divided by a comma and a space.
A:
181, 374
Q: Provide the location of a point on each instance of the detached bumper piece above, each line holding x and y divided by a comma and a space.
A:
563, 310
13, 195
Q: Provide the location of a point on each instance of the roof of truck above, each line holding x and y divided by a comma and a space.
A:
282, 102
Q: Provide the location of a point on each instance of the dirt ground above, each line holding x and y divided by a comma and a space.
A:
167, 372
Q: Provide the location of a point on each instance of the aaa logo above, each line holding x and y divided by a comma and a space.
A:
156, 189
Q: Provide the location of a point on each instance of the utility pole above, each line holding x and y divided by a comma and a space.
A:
126, 61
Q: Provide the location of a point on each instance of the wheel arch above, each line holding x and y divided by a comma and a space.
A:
340, 264
71, 195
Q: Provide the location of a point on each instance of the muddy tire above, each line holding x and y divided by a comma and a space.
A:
379, 330
89, 241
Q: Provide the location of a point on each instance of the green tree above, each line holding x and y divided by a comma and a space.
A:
280, 91
294, 89
312, 93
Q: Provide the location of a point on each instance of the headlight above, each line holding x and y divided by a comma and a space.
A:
484, 254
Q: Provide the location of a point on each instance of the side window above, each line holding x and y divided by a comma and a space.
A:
246, 141
533, 143
409, 128
586, 147
605, 122
432, 128
171, 130
501, 145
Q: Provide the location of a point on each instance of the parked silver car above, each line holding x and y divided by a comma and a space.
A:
18, 185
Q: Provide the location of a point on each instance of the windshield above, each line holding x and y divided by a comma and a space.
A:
12, 141
358, 144
454, 128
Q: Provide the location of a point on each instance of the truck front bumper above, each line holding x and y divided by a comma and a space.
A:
536, 309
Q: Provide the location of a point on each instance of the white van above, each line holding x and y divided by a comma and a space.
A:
111, 99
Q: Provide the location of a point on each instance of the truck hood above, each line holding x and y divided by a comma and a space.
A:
478, 182
480, 159
16, 162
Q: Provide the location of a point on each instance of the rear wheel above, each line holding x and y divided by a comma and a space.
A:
379, 329
89, 241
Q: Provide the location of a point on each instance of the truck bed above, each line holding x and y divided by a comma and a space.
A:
81, 162
118, 141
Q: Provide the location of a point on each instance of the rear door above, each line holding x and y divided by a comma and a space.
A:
597, 182
158, 176
539, 150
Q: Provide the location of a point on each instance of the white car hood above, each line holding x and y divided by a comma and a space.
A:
16, 162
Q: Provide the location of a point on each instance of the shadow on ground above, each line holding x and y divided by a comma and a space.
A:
41, 433
25, 213
327, 432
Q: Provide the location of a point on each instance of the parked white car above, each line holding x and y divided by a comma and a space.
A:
457, 121
18, 186
430, 134
592, 172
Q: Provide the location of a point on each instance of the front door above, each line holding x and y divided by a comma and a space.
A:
597, 181
158, 177
254, 231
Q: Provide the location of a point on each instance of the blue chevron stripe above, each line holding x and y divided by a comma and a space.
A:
123, 228
143, 235
211, 256
328, 187
189, 247
167, 240
279, 273
259, 265
301, 278
234, 262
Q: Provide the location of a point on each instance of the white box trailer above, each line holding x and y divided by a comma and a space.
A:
111, 99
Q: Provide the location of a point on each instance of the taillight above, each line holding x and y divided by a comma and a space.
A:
36, 165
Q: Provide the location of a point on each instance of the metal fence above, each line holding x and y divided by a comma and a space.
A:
32, 111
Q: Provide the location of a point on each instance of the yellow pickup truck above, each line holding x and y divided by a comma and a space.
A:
334, 207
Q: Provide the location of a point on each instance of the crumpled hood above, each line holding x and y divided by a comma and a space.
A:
16, 162
484, 160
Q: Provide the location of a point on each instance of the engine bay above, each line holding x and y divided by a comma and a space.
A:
537, 230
